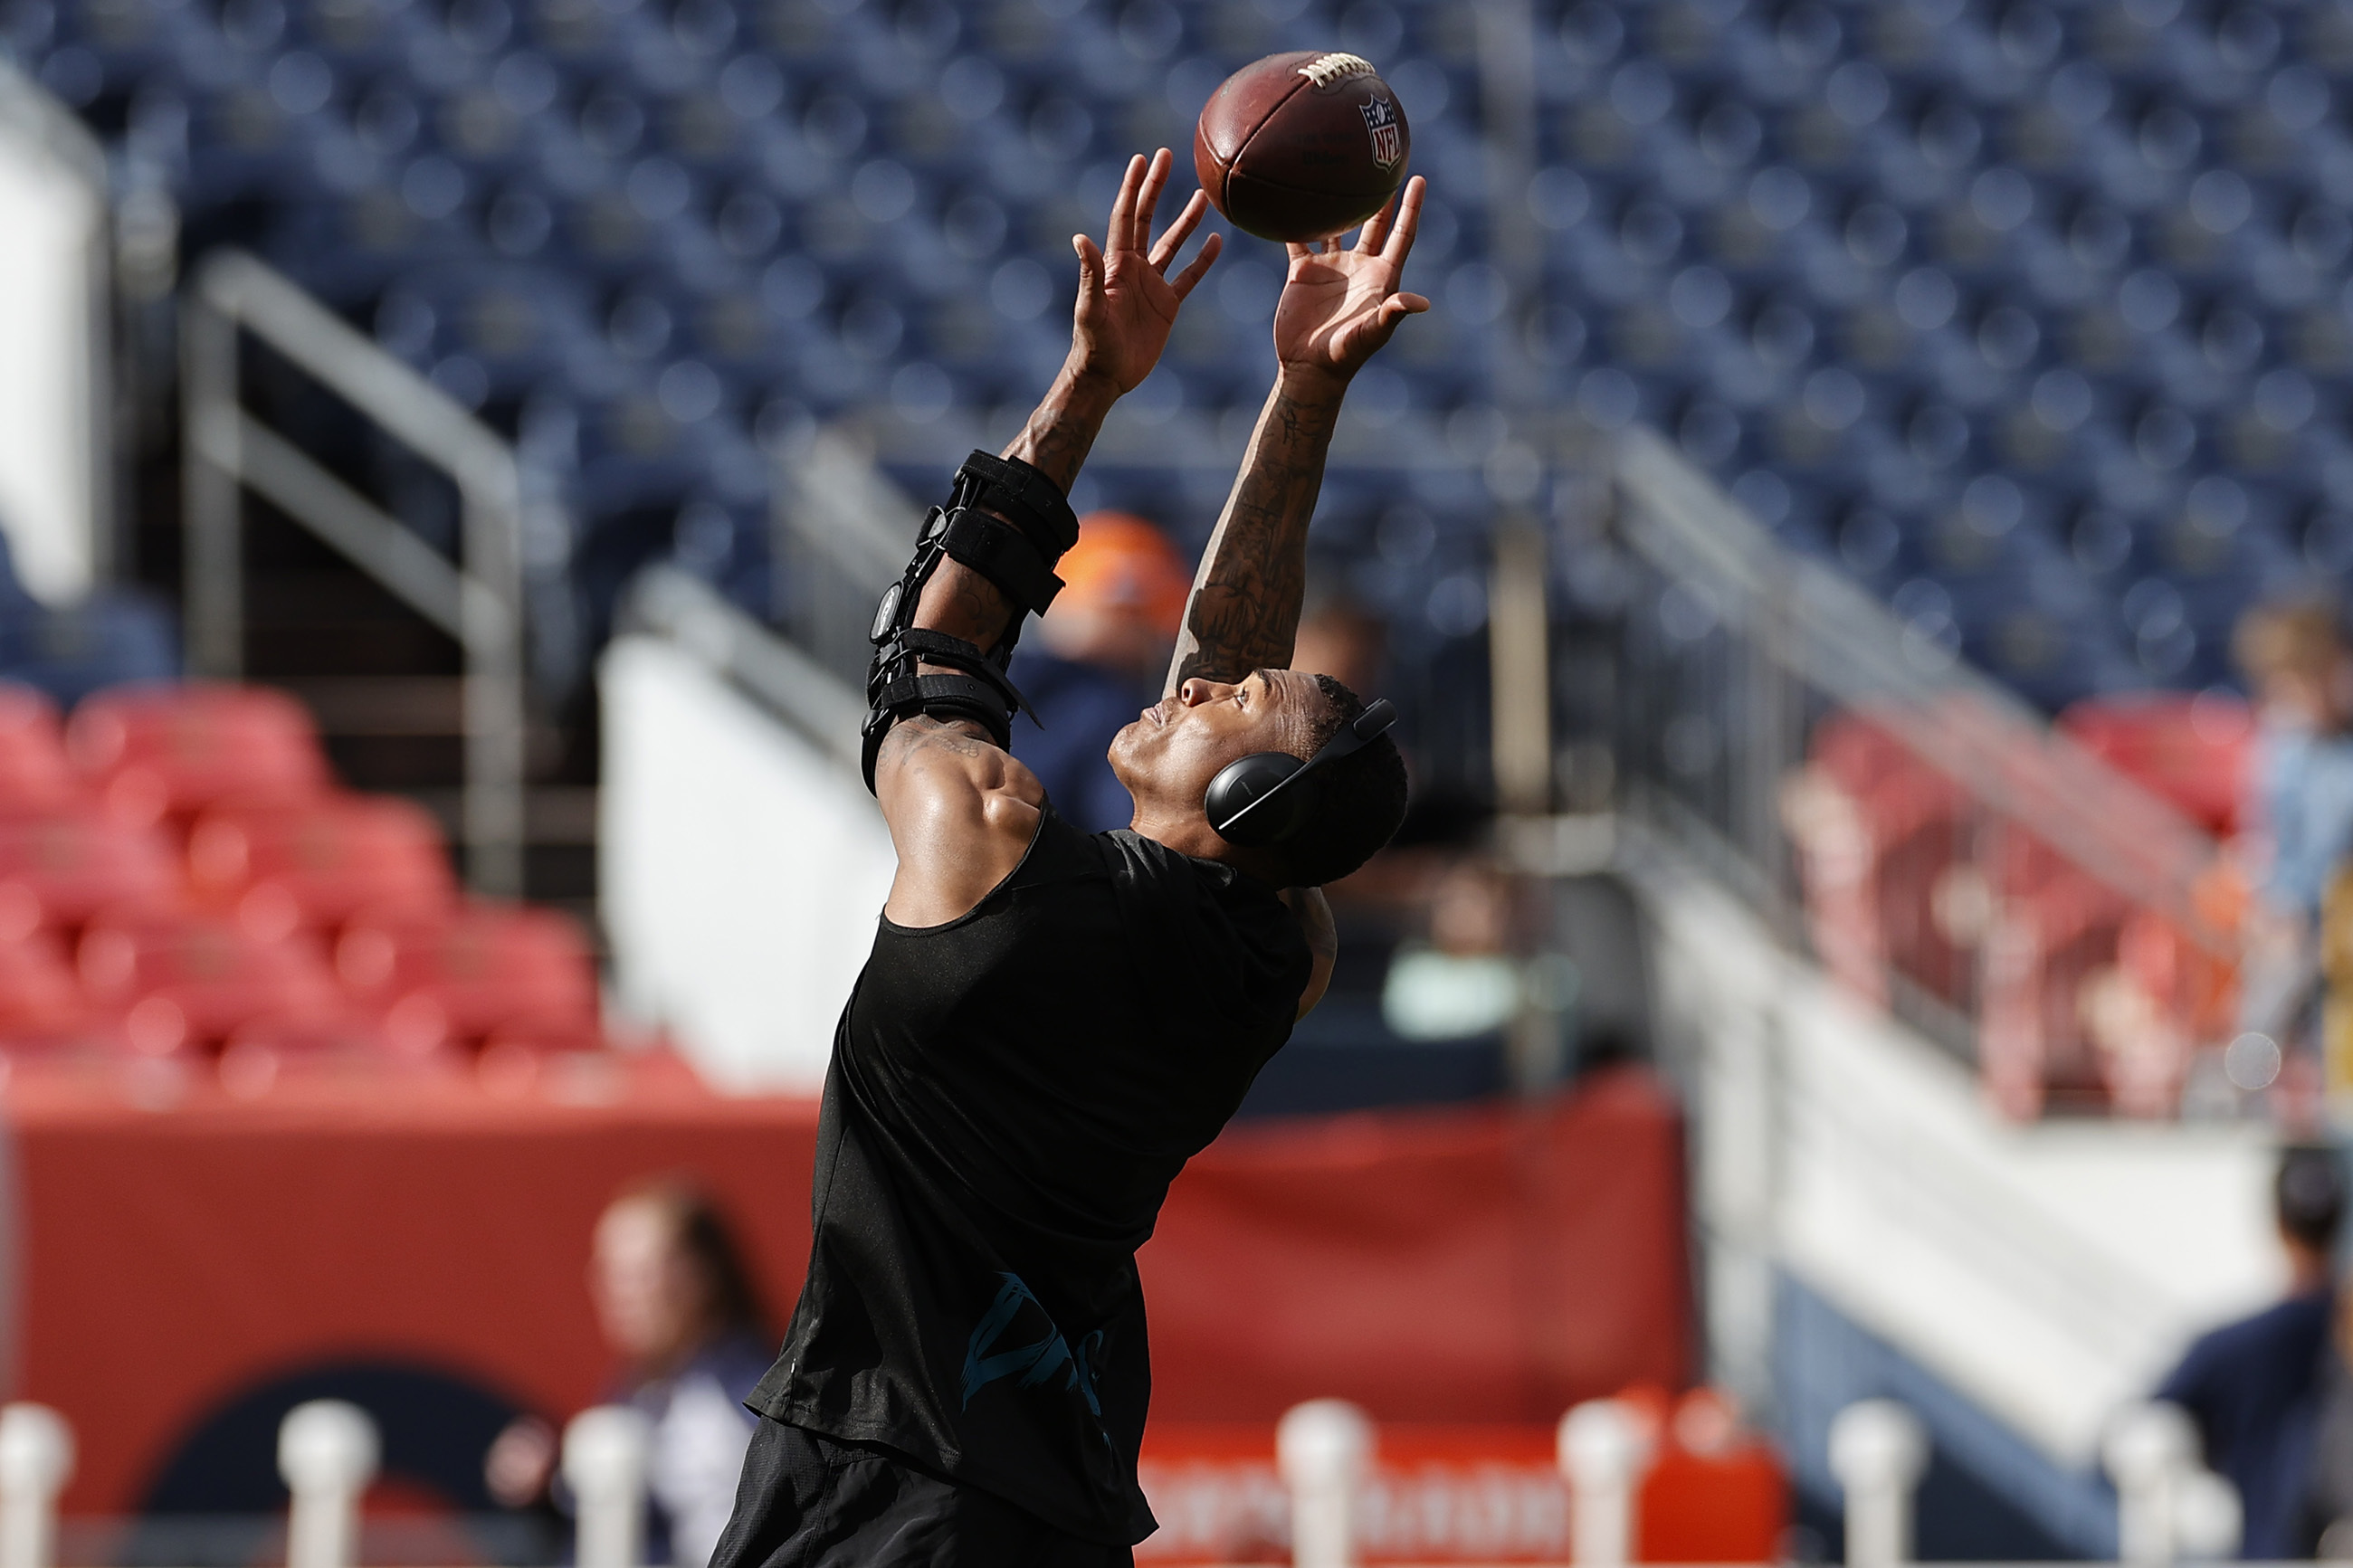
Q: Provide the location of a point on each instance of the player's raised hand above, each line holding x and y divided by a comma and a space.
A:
1127, 301
1339, 306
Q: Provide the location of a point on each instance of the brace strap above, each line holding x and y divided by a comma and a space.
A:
1003, 555
1034, 502
1016, 548
898, 658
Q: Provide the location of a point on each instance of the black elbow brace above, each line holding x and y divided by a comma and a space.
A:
1016, 548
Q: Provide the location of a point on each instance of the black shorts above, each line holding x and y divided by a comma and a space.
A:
807, 1502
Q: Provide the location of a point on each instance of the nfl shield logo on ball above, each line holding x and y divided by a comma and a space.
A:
1381, 124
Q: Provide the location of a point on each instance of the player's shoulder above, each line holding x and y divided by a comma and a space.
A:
928, 760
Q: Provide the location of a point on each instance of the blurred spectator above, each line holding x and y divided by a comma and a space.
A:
2256, 1388
2301, 677
677, 1305
1464, 980
1096, 660
1340, 637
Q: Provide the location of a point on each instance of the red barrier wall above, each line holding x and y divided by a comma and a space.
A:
1457, 1265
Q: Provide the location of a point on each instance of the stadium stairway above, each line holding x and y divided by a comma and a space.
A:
387, 691
1871, 1226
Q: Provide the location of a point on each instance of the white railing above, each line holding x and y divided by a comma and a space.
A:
478, 602
57, 448
1943, 851
2170, 1508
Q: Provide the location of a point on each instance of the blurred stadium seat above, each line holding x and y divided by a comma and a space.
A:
155, 752
41, 1006
59, 867
1938, 292
34, 773
471, 974
2195, 752
315, 863
1934, 291
297, 923
189, 984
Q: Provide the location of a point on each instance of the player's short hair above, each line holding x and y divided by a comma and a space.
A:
2308, 1196
1359, 803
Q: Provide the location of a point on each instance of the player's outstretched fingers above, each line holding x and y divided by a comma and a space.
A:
1377, 228
1091, 269
1165, 249
1399, 242
1200, 267
1147, 201
1120, 233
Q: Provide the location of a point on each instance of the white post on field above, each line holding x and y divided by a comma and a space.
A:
1878, 1452
327, 1454
605, 1451
1604, 1453
36, 1458
1324, 1449
2151, 1452
2207, 1520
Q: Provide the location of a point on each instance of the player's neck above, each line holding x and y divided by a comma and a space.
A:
1191, 834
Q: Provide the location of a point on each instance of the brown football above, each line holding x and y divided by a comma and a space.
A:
1301, 146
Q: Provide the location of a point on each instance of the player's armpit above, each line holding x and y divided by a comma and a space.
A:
961, 813
1315, 912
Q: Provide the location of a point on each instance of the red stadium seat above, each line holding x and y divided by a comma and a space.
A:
2193, 751
159, 752
489, 971
60, 868
187, 984
34, 774
1880, 833
2055, 930
317, 862
41, 1004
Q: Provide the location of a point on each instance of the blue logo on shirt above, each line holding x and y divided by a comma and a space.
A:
1035, 1363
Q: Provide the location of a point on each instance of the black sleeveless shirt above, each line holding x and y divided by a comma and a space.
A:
1011, 1095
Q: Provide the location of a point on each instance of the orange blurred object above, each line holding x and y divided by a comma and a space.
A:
187, 983
159, 752
1124, 566
488, 972
34, 773
1716, 1491
318, 862
60, 868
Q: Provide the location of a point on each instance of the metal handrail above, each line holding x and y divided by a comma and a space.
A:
1823, 628
31, 117
478, 602
777, 675
841, 532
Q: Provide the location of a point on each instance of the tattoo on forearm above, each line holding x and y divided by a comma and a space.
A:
1056, 442
1244, 611
958, 600
1062, 431
924, 733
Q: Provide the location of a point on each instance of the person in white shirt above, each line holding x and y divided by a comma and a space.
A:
677, 1305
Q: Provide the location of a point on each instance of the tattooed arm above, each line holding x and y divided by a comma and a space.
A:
961, 811
1245, 602
1338, 307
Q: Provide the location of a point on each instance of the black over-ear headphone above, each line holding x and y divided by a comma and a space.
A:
1257, 801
